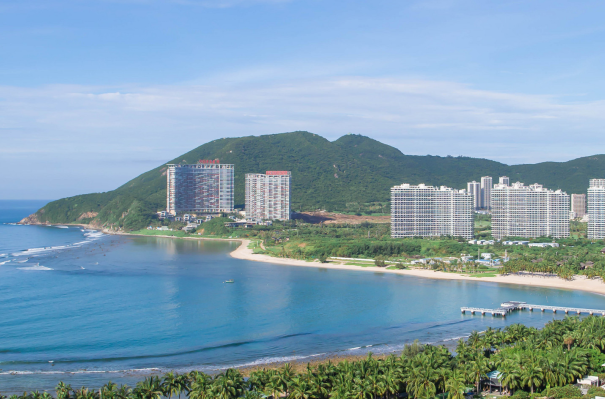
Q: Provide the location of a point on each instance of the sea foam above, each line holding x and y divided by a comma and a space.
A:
36, 267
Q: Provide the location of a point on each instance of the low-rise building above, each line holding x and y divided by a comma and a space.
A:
544, 244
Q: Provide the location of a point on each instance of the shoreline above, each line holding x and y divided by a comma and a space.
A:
579, 283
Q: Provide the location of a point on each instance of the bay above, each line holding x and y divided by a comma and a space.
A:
85, 308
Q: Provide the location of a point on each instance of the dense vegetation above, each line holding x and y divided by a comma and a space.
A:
352, 174
531, 362
298, 240
574, 257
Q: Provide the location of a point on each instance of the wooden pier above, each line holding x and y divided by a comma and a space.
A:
510, 306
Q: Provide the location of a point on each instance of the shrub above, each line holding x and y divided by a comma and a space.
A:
568, 391
379, 261
519, 394
595, 391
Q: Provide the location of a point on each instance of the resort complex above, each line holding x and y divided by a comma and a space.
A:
427, 211
207, 187
268, 195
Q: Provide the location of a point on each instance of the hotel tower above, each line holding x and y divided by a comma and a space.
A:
427, 211
268, 195
596, 209
534, 211
205, 187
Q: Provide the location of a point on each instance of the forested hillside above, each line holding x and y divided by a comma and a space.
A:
337, 176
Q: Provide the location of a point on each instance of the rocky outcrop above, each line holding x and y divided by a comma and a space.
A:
88, 215
31, 219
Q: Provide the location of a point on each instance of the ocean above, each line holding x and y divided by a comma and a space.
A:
83, 307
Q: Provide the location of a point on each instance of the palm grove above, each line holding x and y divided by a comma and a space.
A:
532, 362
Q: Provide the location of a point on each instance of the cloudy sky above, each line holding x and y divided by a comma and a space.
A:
95, 92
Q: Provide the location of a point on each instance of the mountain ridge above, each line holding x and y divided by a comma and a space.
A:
341, 175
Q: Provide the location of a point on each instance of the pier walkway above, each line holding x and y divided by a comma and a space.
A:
510, 306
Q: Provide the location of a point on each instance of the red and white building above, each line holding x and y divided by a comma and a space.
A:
268, 195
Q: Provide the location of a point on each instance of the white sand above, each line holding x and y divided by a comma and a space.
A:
580, 283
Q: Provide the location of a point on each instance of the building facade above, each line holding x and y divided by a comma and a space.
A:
578, 205
504, 180
486, 192
529, 211
596, 209
427, 211
474, 189
268, 195
205, 187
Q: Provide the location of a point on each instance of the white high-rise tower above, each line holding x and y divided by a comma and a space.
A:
426, 211
474, 189
596, 209
486, 192
268, 195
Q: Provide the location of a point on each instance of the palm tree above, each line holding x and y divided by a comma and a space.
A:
124, 392
281, 379
477, 369
150, 388
455, 385
569, 340
171, 385
84, 393
509, 374
200, 387
531, 375
419, 383
63, 390
226, 387
301, 389
108, 391
392, 381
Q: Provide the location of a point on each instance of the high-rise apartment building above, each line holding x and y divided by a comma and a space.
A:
578, 205
504, 180
474, 189
268, 195
534, 211
427, 211
206, 187
486, 192
596, 209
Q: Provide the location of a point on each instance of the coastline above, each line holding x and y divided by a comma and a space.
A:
579, 283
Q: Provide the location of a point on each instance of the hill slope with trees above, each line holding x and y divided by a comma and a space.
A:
341, 175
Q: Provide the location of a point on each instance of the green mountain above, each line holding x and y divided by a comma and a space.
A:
346, 174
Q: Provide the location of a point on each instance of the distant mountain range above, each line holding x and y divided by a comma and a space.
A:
343, 175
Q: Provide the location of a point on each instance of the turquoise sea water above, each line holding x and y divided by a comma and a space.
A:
117, 308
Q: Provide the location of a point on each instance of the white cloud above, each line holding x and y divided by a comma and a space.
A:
97, 124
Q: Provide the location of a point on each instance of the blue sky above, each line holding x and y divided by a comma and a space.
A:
95, 92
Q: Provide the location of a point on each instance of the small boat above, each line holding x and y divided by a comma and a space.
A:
228, 281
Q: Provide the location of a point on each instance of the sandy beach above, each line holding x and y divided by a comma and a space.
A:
580, 283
